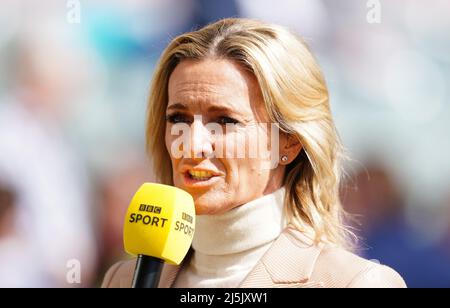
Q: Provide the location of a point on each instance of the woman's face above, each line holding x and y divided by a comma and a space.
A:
218, 93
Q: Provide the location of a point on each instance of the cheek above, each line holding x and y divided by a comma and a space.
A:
257, 144
242, 152
258, 159
169, 140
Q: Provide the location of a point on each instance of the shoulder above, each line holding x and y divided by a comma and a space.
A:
119, 275
337, 267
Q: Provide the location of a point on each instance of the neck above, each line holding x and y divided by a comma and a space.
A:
227, 246
248, 226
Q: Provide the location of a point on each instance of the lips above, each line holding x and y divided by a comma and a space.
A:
199, 177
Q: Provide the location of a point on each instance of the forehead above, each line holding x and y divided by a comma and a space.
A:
213, 81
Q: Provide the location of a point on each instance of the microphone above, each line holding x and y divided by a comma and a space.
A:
159, 227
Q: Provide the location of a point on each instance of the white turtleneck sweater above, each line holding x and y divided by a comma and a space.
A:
228, 246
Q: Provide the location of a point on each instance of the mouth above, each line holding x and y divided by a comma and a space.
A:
200, 178
200, 175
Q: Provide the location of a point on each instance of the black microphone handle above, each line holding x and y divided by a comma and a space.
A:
147, 272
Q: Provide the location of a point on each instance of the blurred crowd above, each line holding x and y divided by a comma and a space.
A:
72, 115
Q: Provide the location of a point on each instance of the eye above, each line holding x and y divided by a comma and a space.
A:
177, 118
227, 120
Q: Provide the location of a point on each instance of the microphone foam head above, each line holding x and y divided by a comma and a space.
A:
160, 222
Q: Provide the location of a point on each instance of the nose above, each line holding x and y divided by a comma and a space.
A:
201, 143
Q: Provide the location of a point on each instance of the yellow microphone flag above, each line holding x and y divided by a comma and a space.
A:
160, 222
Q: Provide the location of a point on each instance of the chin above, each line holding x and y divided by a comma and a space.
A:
206, 204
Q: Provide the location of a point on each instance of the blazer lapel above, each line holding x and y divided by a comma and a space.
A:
168, 275
170, 272
288, 263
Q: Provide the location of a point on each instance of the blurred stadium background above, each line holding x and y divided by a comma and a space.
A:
73, 94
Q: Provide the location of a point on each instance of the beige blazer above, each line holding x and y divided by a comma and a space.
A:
291, 262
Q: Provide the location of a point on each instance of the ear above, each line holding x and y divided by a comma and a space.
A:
290, 147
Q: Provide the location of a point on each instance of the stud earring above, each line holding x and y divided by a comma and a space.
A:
284, 158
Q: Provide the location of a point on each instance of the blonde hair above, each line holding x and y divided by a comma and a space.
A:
295, 97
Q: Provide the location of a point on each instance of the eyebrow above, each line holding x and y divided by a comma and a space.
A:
177, 106
216, 108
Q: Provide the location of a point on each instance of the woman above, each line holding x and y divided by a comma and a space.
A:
263, 220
